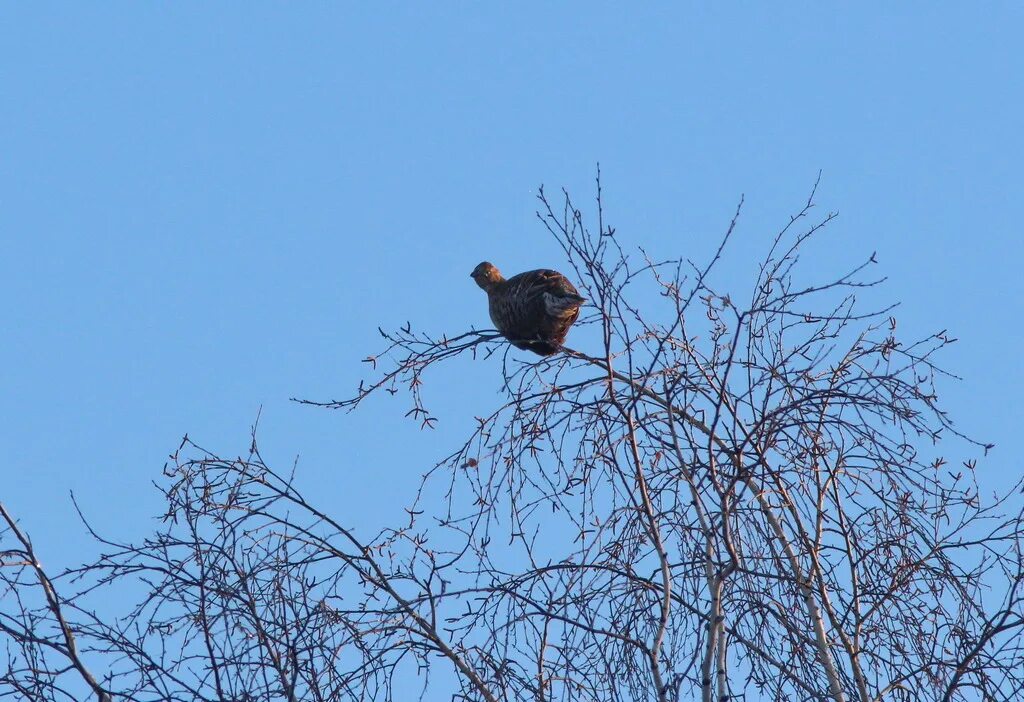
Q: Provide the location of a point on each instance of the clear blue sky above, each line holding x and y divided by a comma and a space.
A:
205, 210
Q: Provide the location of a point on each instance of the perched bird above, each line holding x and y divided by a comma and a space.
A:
533, 310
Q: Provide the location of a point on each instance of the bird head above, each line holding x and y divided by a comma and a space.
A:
486, 275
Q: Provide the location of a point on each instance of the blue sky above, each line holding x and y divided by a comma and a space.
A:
206, 210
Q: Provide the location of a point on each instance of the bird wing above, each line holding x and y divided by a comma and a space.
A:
533, 285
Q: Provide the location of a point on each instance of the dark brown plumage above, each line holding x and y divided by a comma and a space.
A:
533, 310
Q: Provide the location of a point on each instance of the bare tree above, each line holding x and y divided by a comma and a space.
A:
735, 496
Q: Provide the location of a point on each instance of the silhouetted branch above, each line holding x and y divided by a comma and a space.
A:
728, 495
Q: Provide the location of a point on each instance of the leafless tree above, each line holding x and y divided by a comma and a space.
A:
735, 496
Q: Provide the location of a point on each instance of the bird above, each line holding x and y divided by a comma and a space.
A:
533, 310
